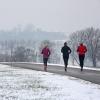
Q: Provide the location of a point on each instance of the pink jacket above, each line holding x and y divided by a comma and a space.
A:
46, 52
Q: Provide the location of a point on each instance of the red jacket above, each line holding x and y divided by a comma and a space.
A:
45, 52
81, 49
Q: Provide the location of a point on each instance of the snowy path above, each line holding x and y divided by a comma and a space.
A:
91, 75
25, 84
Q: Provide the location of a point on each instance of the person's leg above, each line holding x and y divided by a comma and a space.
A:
45, 68
81, 59
66, 62
44, 61
45, 64
83, 56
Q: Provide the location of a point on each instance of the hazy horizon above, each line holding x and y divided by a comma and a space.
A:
50, 15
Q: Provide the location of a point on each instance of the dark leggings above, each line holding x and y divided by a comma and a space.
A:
45, 61
65, 61
81, 59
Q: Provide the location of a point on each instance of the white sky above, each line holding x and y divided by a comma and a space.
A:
51, 15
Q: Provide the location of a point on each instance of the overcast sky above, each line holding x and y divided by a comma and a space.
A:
51, 15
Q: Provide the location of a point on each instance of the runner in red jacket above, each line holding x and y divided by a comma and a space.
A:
81, 52
46, 53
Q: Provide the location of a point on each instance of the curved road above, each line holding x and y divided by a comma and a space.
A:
88, 75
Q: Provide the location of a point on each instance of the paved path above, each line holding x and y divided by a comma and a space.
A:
88, 75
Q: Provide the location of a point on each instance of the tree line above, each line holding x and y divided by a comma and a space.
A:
30, 50
90, 37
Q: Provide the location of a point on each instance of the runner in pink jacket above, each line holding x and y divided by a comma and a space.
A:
46, 53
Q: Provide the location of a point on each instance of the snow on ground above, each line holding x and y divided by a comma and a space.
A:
25, 84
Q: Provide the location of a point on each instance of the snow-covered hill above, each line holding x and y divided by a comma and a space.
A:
24, 84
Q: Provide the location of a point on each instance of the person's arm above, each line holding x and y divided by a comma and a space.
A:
42, 51
78, 49
69, 51
85, 49
49, 52
61, 50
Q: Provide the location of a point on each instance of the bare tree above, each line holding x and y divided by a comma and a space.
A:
91, 37
20, 54
92, 41
73, 43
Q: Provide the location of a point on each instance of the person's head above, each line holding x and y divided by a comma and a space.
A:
46, 46
81, 44
65, 44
